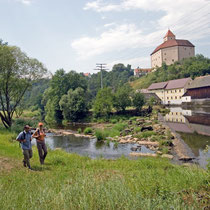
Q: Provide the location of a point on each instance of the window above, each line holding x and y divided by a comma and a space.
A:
175, 97
180, 97
172, 60
167, 97
175, 91
171, 91
171, 97
180, 90
167, 91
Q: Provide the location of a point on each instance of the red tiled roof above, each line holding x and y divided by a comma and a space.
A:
143, 70
172, 43
177, 83
169, 33
159, 85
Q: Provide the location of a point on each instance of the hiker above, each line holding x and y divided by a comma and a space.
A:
39, 134
24, 138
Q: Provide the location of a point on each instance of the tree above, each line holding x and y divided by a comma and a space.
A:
138, 101
74, 105
60, 84
103, 103
122, 98
17, 71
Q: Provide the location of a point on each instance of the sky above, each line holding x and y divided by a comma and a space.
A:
77, 34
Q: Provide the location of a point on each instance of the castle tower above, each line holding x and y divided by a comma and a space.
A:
171, 50
169, 36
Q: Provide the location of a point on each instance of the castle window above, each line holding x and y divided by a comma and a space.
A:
172, 60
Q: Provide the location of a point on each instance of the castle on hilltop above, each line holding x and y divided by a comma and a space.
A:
171, 50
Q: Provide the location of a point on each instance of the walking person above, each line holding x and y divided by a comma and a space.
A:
40, 142
25, 138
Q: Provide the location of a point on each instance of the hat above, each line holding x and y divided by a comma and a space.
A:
40, 124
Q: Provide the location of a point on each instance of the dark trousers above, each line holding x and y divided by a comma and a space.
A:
42, 150
27, 153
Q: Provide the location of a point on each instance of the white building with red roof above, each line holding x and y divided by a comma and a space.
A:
171, 50
171, 92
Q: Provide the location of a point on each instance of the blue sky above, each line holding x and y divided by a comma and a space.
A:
77, 34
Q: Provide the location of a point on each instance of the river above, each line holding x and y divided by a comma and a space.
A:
193, 125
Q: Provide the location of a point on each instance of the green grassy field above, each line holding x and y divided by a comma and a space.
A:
69, 181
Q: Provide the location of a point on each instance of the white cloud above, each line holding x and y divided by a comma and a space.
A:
26, 2
188, 19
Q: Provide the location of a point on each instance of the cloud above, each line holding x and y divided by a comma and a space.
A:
188, 19
114, 39
26, 2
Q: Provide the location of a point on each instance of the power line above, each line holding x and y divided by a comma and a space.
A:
101, 67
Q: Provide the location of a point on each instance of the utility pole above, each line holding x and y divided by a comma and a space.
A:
101, 67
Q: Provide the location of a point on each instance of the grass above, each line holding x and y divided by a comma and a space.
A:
69, 181
145, 134
88, 130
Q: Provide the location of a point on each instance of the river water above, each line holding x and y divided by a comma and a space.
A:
91, 147
193, 125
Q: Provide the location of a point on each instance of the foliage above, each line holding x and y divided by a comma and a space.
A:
145, 134
100, 135
116, 78
74, 105
103, 103
79, 130
88, 130
60, 84
138, 100
17, 71
190, 67
122, 98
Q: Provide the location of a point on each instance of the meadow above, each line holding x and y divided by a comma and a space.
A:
69, 181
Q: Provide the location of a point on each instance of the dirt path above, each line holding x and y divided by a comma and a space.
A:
7, 164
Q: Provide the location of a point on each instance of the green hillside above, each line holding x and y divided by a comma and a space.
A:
192, 67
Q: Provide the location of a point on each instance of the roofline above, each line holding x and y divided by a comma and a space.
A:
172, 46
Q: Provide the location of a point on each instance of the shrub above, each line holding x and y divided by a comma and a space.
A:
100, 135
113, 121
79, 130
120, 126
88, 130
145, 134
137, 129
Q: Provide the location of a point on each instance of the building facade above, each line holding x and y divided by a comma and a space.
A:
171, 92
198, 90
139, 72
171, 50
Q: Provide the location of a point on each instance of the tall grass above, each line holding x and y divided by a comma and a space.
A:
69, 181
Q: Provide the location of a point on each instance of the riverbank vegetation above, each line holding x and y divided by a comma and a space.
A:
68, 181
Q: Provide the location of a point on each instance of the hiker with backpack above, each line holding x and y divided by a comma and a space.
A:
25, 138
39, 135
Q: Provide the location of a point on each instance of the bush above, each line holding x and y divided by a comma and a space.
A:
120, 126
137, 129
113, 121
88, 130
100, 135
79, 130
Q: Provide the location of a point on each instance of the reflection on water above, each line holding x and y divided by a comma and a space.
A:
194, 127
92, 148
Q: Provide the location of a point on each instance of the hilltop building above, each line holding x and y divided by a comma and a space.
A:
171, 50
171, 92
139, 72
